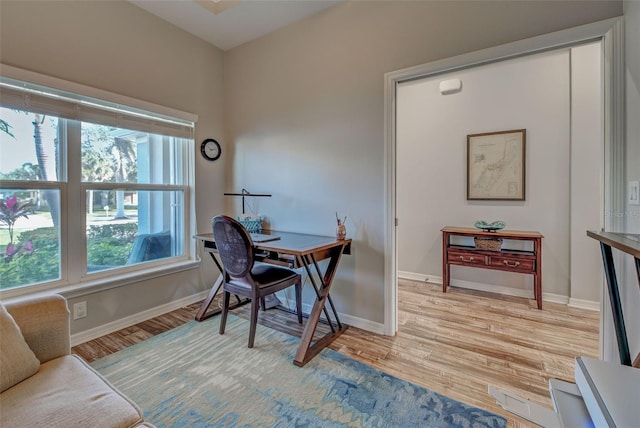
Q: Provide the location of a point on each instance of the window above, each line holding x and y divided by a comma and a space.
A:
89, 188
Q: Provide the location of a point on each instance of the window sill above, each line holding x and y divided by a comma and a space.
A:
97, 285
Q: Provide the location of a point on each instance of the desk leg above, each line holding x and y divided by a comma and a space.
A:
306, 350
202, 312
616, 305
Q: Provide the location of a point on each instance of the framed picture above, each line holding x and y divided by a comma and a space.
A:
496, 166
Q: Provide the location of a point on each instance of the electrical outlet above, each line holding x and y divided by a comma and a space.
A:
79, 310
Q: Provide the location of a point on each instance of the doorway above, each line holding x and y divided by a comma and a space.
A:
605, 33
555, 97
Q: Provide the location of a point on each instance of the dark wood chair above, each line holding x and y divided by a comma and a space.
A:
242, 276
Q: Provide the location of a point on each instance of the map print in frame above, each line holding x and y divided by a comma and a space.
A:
495, 166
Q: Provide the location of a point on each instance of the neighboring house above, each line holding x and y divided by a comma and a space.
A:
306, 100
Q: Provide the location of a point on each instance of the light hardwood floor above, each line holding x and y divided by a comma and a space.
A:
456, 343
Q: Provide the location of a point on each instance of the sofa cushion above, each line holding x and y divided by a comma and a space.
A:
66, 392
17, 360
44, 323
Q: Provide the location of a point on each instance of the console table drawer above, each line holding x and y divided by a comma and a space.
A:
466, 258
513, 263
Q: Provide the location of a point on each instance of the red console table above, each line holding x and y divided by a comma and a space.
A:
519, 261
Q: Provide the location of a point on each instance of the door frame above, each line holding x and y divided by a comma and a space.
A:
609, 32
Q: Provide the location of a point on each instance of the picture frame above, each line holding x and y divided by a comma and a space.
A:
496, 166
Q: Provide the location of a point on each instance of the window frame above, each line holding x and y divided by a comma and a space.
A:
74, 278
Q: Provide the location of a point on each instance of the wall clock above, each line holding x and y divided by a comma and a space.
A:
210, 149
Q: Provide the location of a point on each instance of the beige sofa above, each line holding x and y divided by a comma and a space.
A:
43, 384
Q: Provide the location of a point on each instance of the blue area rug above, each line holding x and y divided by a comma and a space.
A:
193, 377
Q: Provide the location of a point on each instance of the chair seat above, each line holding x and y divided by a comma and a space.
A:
265, 275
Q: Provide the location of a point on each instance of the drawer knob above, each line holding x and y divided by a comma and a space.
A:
470, 259
511, 264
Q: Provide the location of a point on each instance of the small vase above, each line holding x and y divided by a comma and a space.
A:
341, 231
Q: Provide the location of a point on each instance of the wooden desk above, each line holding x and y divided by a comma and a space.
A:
519, 261
296, 250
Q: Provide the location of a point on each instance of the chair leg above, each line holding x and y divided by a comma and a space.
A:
299, 302
225, 310
263, 304
255, 302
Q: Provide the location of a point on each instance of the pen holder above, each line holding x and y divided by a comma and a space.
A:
341, 232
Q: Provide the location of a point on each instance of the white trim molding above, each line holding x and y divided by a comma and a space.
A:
584, 304
65, 85
480, 286
80, 289
94, 333
498, 289
361, 323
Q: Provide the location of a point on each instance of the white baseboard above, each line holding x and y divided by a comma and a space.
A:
547, 297
584, 304
350, 320
94, 333
417, 277
373, 327
434, 279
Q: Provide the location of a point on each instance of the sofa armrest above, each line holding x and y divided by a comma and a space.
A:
44, 323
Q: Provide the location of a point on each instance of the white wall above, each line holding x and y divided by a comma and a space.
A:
587, 173
118, 47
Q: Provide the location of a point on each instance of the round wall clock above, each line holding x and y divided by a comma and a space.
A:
210, 149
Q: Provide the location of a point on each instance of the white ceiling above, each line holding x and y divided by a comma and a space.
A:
238, 22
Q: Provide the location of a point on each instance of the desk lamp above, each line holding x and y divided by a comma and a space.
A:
244, 193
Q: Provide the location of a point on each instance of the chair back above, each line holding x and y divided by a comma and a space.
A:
234, 245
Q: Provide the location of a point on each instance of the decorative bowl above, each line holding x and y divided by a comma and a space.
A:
490, 227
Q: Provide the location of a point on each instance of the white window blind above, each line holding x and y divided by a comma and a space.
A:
36, 98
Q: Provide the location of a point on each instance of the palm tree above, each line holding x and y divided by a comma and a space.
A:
4, 127
124, 153
96, 166
47, 156
47, 163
